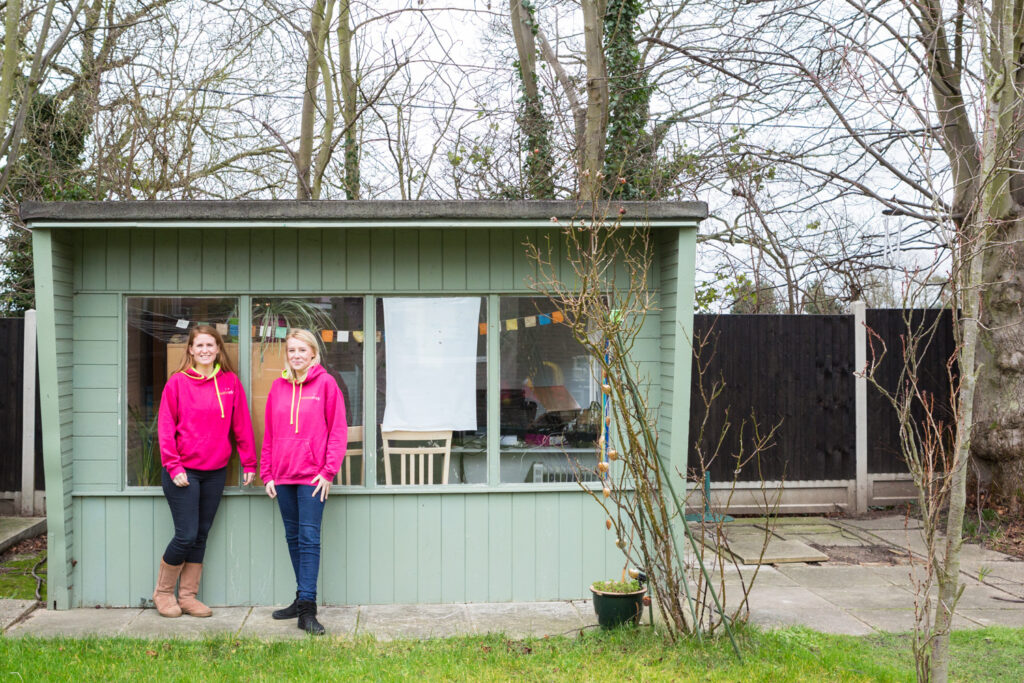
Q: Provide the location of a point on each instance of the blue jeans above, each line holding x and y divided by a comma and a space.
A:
302, 514
193, 508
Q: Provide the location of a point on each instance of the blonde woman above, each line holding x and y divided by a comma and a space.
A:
303, 447
203, 414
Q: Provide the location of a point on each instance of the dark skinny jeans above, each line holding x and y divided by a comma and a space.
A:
193, 508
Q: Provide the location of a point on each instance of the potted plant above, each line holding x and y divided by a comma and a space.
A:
619, 602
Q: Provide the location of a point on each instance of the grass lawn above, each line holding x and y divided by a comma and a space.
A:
16, 581
795, 654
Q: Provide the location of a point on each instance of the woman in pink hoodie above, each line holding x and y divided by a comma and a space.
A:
203, 415
303, 445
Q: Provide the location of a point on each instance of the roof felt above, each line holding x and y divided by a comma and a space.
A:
259, 211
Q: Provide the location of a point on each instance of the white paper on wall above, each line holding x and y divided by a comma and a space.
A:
431, 363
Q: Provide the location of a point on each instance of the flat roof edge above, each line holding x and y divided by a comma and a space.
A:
272, 210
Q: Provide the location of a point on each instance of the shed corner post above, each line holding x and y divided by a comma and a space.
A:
58, 501
682, 361
28, 417
860, 358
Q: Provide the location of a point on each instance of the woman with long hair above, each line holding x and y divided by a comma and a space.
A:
303, 446
203, 415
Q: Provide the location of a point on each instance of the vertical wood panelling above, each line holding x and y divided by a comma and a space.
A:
523, 267
357, 259
261, 549
501, 261
499, 571
261, 261
429, 564
214, 260
118, 259
215, 562
453, 548
165, 268
382, 256
93, 554
283, 586
190, 259
286, 262
143, 550
333, 555
142, 271
431, 265
117, 572
570, 545
236, 260
94, 260
453, 255
332, 260
356, 516
407, 259
382, 548
310, 251
238, 550
478, 252
405, 563
524, 559
546, 538
477, 564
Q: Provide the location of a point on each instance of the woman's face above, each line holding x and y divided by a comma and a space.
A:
203, 350
300, 355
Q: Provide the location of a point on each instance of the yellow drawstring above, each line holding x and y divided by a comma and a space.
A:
297, 410
217, 390
291, 410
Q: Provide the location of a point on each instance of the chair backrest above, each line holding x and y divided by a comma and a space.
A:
416, 452
353, 450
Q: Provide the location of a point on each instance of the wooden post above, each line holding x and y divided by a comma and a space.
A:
28, 417
860, 358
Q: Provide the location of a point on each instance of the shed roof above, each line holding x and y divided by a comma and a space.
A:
273, 211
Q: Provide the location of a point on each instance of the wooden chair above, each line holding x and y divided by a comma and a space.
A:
353, 450
416, 452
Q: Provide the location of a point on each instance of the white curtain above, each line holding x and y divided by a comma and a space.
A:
431, 363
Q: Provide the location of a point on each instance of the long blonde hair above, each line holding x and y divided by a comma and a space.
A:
307, 338
222, 357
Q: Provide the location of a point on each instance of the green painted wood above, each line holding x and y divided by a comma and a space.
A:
524, 269
501, 260
286, 262
96, 424
94, 376
261, 261
407, 260
236, 260
165, 260
333, 261
357, 260
359, 573
94, 262
525, 559
262, 515
478, 254
117, 572
570, 545
141, 266
546, 535
382, 256
453, 259
118, 259
95, 401
499, 571
214, 243
96, 447
429, 561
493, 388
687, 251
96, 328
382, 549
369, 390
431, 259
213, 587
190, 259
78, 251
143, 563
453, 548
310, 258
333, 555
477, 556
92, 585
94, 305
405, 561
96, 472
284, 585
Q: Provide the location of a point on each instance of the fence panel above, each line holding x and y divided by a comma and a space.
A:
12, 341
791, 371
891, 327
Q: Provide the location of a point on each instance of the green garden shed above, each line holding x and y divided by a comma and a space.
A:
493, 513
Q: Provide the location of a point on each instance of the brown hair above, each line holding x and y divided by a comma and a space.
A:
222, 357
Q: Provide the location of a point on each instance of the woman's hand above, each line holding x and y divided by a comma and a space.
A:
323, 487
247, 478
270, 489
180, 480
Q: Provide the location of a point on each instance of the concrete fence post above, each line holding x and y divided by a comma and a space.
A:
860, 358
28, 417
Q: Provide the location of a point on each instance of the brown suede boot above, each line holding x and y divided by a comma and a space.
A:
163, 596
187, 589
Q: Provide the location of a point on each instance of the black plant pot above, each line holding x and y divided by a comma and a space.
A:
615, 609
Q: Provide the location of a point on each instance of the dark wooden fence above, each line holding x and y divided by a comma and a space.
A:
12, 352
794, 373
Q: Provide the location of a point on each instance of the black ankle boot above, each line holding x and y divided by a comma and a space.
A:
307, 618
289, 612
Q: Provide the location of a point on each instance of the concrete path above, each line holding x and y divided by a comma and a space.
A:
14, 529
833, 597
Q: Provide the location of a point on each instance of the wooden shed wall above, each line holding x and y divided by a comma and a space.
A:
379, 546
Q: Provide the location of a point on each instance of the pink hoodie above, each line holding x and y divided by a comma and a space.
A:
305, 429
199, 418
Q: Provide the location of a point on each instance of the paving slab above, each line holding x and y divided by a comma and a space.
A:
895, 522
833, 538
12, 610
14, 529
995, 617
338, 621
537, 619
778, 521
149, 624
74, 623
751, 550
781, 606
882, 596
828, 576
388, 622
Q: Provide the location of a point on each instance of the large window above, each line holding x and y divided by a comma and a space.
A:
338, 322
157, 333
550, 414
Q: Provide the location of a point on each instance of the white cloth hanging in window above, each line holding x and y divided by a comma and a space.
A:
431, 346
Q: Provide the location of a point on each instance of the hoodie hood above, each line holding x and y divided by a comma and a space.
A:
197, 376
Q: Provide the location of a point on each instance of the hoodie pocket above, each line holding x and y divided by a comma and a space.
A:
293, 459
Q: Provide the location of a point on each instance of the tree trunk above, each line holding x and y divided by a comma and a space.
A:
349, 102
304, 161
11, 59
534, 127
597, 100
